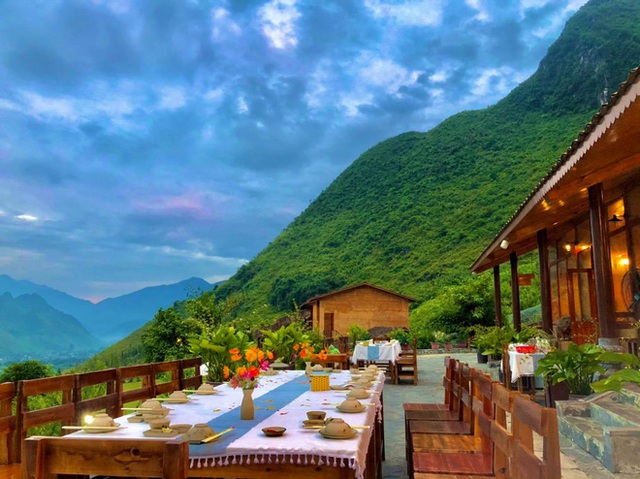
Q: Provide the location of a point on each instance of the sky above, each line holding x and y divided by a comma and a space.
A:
143, 142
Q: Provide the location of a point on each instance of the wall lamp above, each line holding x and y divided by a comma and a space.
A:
504, 244
616, 219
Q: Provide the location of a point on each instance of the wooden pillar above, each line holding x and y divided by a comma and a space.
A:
601, 250
515, 292
497, 296
545, 281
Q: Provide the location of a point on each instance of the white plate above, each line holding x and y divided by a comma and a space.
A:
354, 433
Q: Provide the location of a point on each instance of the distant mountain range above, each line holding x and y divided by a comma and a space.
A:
31, 329
37, 320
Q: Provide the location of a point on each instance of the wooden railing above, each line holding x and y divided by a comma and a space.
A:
75, 397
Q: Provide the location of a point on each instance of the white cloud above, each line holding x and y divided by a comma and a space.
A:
8, 105
242, 105
29, 218
222, 25
50, 108
213, 95
387, 74
172, 98
193, 255
495, 82
483, 14
417, 12
439, 77
279, 23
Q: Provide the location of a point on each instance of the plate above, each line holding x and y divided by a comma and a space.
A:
338, 387
273, 431
206, 393
313, 422
350, 411
354, 433
100, 429
175, 430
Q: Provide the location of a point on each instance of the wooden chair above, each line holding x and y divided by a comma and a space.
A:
53, 456
450, 366
8, 449
406, 366
494, 442
529, 416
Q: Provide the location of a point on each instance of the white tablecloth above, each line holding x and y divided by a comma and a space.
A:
298, 443
523, 364
383, 351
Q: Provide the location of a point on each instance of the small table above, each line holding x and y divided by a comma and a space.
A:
523, 364
389, 351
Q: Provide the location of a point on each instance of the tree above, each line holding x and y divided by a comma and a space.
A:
164, 338
30, 369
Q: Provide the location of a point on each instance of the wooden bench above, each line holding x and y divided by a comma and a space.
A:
406, 366
333, 360
450, 366
52, 456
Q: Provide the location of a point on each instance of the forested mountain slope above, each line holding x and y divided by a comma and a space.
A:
413, 212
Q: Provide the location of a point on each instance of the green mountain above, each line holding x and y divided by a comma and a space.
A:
31, 329
413, 212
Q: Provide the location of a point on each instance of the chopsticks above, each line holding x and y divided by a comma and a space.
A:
137, 409
320, 427
216, 436
77, 428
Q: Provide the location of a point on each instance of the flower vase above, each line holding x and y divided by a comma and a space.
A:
246, 406
308, 369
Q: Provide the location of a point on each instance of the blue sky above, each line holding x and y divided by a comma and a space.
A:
144, 142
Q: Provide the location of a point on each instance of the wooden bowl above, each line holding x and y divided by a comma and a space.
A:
273, 431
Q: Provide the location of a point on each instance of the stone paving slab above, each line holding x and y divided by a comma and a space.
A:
576, 463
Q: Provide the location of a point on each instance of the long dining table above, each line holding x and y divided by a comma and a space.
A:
245, 451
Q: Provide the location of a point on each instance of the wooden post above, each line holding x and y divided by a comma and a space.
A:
602, 262
545, 281
515, 292
497, 295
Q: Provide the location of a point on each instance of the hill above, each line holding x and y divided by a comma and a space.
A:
413, 212
113, 318
31, 329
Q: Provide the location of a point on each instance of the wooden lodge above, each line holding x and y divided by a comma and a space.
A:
364, 304
583, 218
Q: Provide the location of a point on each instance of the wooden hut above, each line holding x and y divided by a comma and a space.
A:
364, 304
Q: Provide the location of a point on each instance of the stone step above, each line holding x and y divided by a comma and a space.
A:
609, 411
630, 394
584, 432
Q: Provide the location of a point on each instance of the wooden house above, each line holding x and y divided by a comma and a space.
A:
364, 304
583, 218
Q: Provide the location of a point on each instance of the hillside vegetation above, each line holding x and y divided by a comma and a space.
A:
413, 212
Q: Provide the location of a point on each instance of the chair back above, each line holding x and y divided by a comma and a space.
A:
50, 456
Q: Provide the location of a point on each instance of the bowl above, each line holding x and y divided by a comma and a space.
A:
314, 422
337, 428
102, 419
273, 431
358, 393
158, 422
351, 405
318, 415
318, 367
199, 432
151, 404
206, 388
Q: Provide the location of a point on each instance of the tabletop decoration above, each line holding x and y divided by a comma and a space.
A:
246, 374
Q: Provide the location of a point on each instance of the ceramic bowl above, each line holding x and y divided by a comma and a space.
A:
158, 422
206, 388
358, 393
364, 382
102, 419
178, 395
199, 432
317, 415
151, 404
274, 431
318, 367
351, 405
338, 428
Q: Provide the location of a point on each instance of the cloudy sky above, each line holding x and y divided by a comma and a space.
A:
143, 142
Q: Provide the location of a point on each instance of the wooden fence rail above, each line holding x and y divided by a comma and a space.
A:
75, 396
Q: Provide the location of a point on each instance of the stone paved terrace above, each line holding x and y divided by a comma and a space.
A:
576, 463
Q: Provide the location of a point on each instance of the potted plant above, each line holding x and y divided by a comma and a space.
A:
357, 333
577, 367
214, 346
402, 336
282, 341
627, 374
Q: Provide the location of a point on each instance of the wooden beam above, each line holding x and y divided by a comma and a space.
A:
497, 295
515, 293
545, 281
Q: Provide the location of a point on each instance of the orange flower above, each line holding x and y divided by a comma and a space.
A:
234, 351
236, 357
322, 355
241, 371
269, 355
251, 355
225, 372
296, 347
303, 353
254, 371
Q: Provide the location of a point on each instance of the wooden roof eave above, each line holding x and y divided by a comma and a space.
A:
601, 122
